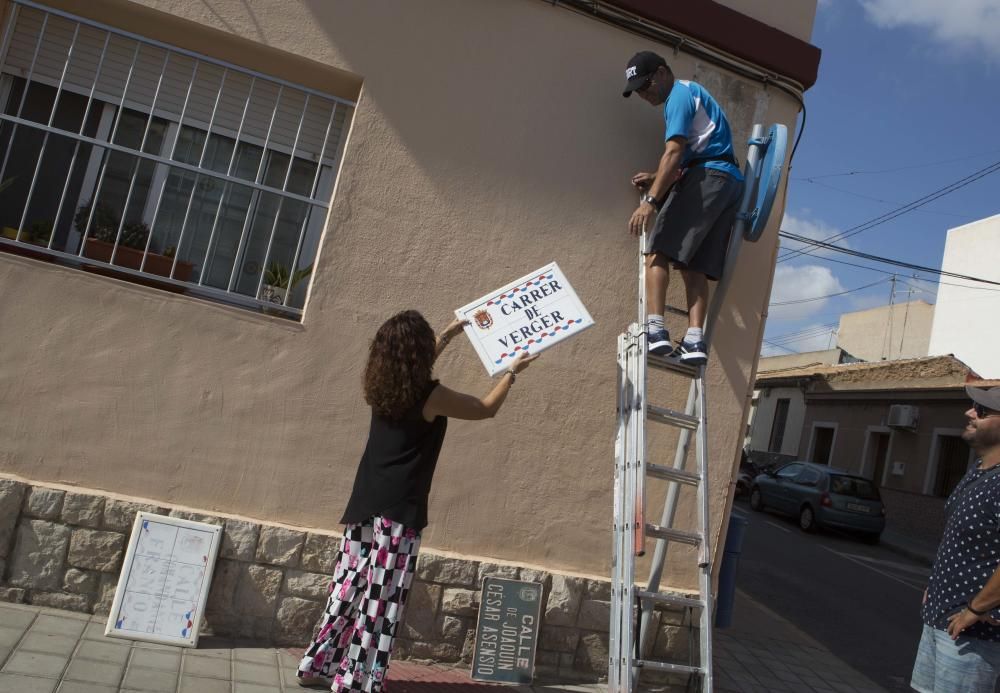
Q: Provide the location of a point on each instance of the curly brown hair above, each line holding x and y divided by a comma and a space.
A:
400, 361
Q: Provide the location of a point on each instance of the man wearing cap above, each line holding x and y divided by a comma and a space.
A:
960, 646
691, 231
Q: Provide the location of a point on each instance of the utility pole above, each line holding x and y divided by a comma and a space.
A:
887, 338
906, 313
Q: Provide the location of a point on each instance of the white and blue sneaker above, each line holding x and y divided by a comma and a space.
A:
691, 353
658, 342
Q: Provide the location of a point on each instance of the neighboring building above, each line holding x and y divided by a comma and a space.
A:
780, 410
310, 169
898, 423
965, 321
887, 333
826, 357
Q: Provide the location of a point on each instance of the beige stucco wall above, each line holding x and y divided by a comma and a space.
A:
489, 138
855, 416
763, 420
826, 357
899, 331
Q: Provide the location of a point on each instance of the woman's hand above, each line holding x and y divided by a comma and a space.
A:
453, 328
522, 362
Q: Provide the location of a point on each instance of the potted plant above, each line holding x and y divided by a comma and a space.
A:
40, 232
8, 231
100, 243
278, 282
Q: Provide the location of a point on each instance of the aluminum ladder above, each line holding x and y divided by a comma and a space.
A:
631, 629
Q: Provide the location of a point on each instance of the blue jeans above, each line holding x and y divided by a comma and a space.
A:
943, 665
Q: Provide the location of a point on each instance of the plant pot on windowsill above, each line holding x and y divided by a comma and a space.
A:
23, 244
278, 282
273, 294
131, 258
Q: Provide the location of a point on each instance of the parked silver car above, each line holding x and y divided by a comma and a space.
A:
821, 496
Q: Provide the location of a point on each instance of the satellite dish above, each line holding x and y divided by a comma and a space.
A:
767, 178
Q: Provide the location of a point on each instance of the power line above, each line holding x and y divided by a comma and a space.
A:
930, 280
805, 330
887, 202
877, 258
808, 333
820, 298
895, 170
892, 214
937, 281
779, 346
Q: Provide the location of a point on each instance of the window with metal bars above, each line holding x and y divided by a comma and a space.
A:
123, 155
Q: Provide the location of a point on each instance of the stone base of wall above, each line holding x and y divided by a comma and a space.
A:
64, 549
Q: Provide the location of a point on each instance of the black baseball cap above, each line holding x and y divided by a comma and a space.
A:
988, 398
642, 65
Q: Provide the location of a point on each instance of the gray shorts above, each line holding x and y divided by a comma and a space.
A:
944, 665
693, 227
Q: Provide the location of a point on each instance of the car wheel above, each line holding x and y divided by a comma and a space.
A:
756, 501
807, 520
872, 539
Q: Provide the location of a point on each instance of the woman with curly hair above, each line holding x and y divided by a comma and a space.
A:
388, 506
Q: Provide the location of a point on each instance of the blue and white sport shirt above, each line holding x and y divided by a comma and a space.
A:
691, 112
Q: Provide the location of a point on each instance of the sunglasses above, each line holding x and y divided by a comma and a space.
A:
983, 412
645, 85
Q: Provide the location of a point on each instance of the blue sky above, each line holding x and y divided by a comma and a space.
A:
910, 86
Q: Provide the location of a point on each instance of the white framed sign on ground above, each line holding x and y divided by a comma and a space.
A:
164, 581
530, 314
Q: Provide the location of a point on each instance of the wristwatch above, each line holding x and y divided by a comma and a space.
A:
649, 199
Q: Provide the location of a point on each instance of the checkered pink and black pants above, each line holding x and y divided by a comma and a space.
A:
371, 582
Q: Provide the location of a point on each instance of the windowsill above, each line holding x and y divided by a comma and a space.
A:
147, 286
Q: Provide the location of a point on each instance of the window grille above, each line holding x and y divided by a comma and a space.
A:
122, 154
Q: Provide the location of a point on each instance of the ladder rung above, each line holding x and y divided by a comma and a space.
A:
671, 417
667, 666
674, 599
673, 534
670, 474
675, 365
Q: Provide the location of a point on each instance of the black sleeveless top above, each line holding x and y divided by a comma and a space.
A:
394, 477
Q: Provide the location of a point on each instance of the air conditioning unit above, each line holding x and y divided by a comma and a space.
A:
903, 416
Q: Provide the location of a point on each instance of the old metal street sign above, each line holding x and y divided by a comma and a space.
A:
507, 631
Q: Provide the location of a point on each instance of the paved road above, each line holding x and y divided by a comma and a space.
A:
859, 602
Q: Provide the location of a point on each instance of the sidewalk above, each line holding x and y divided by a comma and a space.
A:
911, 548
764, 653
49, 651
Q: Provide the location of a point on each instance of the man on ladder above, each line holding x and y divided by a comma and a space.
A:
699, 171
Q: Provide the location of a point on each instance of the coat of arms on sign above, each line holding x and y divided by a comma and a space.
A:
483, 319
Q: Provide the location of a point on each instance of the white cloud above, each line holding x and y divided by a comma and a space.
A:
965, 25
794, 282
810, 228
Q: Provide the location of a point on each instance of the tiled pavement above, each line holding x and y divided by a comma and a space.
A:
777, 666
764, 653
49, 651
